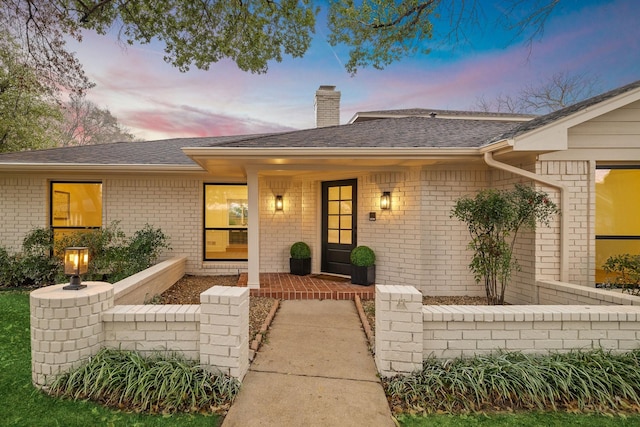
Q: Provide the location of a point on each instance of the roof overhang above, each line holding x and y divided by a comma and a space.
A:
101, 168
286, 161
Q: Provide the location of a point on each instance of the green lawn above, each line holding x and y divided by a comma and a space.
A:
22, 405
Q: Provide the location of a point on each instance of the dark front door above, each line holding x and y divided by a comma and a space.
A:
339, 202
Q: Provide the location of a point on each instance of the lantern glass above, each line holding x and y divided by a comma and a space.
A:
279, 203
385, 200
76, 261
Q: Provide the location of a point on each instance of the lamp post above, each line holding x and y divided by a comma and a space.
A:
76, 262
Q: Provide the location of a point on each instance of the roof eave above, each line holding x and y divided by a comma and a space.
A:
91, 167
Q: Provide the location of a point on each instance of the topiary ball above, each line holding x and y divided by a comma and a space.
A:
300, 250
363, 256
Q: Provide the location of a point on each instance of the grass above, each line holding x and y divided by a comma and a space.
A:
23, 405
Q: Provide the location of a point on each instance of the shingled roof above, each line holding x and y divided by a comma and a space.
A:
388, 133
564, 112
162, 152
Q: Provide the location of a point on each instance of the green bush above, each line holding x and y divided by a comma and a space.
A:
362, 256
626, 268
300, 250
33, 266
156, 383
594, 380
112, 256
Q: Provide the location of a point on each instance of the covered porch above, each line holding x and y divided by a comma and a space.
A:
315, 286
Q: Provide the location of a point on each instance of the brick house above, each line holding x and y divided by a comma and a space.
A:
237, 203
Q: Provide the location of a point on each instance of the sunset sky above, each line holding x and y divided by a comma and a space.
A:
156, 101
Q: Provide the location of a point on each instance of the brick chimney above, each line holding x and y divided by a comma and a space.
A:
327, 106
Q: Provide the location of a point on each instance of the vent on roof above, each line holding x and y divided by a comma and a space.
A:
433, 114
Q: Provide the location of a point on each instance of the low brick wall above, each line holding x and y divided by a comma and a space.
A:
455, 331
554, 292
68, 327
143, 286
147, 328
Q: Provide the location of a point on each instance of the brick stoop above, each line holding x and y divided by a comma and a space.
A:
291, 287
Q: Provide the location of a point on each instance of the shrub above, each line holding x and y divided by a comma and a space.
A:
626, 268
33, 266
300, 250
493, 219
590, 380
112, 256
156, 383
362, 256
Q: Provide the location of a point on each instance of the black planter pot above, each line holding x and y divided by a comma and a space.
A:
300, 267
363, 275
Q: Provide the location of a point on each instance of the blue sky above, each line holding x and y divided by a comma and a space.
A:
156, 101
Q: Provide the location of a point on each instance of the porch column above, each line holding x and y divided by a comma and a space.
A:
253, 280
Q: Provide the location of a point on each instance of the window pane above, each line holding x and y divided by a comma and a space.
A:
618, 202
333, 236
608, 248
226, 206
226, 215
345, 237
76, 204
226, 244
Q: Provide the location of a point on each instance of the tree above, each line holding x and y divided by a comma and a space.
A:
553, 93
253, 32
29, 119
85, 123
493, 219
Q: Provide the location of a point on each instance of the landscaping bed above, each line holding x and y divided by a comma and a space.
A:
188, 289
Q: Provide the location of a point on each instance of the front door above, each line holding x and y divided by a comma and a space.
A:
339, 205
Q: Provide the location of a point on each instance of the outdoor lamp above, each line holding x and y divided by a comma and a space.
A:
385, 201
76, 262
279, 203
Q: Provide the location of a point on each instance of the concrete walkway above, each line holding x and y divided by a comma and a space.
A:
314, 370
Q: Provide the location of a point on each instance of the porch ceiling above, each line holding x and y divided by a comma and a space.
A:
236, 162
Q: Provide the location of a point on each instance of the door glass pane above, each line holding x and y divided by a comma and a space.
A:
334, 221
345, 207
333, 236
334, 208
345, 192
345, 237
334, 193
345, 222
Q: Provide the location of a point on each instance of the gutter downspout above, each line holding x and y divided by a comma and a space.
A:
564, 207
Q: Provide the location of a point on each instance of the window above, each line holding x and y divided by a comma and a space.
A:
617, 218
75, 206
226, 216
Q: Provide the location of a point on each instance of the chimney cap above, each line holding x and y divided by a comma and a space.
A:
326, 87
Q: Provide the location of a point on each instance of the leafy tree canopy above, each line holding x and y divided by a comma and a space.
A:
251, 32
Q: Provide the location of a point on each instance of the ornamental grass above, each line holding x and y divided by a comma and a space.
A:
155, 384
594, 380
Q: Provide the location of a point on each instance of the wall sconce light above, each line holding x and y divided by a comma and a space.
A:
279, 203
76, 262
385, 201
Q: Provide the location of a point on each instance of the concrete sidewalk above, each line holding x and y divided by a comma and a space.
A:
314, 370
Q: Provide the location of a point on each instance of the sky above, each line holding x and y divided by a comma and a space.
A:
600, 38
